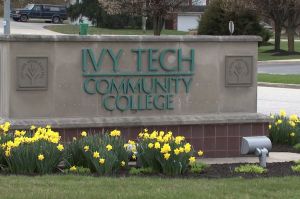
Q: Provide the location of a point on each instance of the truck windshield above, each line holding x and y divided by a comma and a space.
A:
29, 6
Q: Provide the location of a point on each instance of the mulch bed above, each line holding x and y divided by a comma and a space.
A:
219, 171
283, 148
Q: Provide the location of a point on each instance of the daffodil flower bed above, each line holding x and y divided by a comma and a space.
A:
163, 152
37, 150
103, 154
285, 129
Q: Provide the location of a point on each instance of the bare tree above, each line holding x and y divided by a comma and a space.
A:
292, 23
158, 10
277, 11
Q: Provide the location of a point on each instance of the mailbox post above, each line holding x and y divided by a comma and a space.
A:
6, 20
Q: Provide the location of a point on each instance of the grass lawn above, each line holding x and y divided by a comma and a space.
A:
73, 29
262, 56
285, 79
84, 187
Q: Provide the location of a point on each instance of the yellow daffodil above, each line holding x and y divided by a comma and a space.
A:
73, 169
145, 130
279, 121
96, 154
176, 151
17, 133
41, 157
167, 156
123, 163
134, 157
187, 147
7, 153
294, 117
102, 161
270, 126
60, 147
115, 133
282, 113
109, 147
200, 153
160, 139
32, 127
192, 160
86, 148
181, 149
292, 134
165, 149
131, 142
293, 124
48, 126
272, 116
146, 135
161, 133
141, 135
179, 139
150, 145
83, 133
153, 135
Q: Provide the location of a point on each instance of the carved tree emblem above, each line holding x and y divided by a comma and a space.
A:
239, 70
33, 71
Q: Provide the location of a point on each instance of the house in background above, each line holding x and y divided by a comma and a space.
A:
188, 17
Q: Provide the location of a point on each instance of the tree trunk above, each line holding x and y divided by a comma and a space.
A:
278, 29
157, 24
291, 39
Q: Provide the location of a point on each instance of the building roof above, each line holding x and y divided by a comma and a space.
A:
192, 9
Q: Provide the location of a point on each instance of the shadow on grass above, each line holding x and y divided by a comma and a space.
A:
281, 52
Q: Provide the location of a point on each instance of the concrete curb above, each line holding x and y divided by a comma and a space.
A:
273, 157
278, 85
278, 62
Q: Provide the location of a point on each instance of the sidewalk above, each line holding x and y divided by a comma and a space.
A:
273, 157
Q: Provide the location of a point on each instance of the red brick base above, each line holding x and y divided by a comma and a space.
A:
216, 140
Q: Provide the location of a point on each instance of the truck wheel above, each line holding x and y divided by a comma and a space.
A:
23, 18
55, 20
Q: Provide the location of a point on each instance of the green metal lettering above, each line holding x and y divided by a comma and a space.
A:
98, 86
115, 59
121, 88
156, 102
140, 104
144, 85
86, 84
97, 65
139, 52
190, 59
152, 59
188, 83
157, 84
162, 60
105, 103
176, 81
119, 103
84, 60
170, 102
148, 102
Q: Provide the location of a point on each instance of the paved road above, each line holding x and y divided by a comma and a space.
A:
34, 27
271, 100
279, 68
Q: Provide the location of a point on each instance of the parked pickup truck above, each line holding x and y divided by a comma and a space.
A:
55, 13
